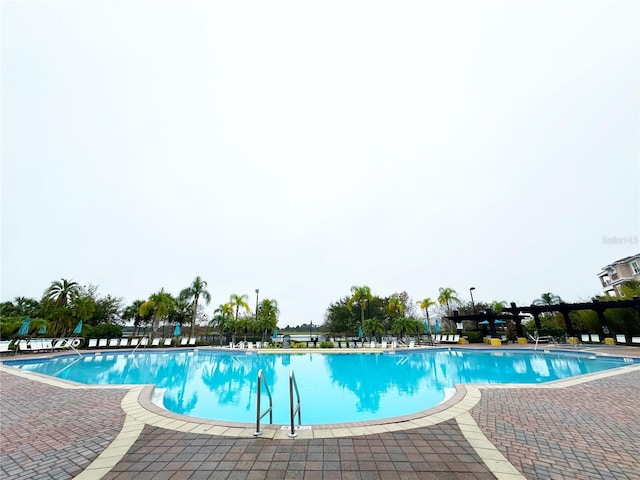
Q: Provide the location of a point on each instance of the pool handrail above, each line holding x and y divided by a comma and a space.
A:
293, 385
261, 378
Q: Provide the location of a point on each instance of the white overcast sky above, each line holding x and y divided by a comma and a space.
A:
304, 147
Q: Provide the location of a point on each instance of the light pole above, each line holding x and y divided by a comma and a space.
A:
257, 292
472, 302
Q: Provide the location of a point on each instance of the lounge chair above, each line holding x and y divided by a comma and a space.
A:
167, 342
113, 343
102, 343
258, 344
124, 342
383, 344
144, 341
134, 342
456, 338
635, 340
61, 344
372, 344
595, 338
412, 343
4, 347
192, 341
620, 338
437, 338
584, 338
183, 341
46, 344
155, 342
249, 345
93, 343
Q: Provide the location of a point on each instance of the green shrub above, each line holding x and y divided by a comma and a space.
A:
104, 330
474, 337
298, 345
326, 344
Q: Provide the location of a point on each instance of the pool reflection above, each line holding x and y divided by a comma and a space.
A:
333, 388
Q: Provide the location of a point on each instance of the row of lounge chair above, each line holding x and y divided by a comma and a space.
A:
35, 345
126, 342
621, 339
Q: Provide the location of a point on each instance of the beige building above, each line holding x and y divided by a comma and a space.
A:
613, 275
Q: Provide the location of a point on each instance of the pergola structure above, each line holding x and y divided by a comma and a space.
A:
515, 314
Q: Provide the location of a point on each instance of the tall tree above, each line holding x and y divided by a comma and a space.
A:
267, 316
62, 292
426, 304
158, 306
239, 302
222, 319
547, 299
395, 308
360, 296
197, 290
448, 296
132, 314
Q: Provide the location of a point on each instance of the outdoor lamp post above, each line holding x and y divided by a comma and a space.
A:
257, 292
472, 302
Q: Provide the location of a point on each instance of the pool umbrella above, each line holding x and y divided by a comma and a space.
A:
499, 321
78, 329
24, 328
359, 332
275, 333
484, 322
43, 330
176, 331
437, 326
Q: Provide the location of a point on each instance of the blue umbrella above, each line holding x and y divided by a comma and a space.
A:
43, 330
176, 331
275, 333
437, 326
359, 332
78, 329
24, 328
427, 327
484, 322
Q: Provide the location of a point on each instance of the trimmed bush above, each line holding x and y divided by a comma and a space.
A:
326, 344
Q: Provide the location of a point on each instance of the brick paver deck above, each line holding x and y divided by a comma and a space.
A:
50, 432
584, 431
589, 431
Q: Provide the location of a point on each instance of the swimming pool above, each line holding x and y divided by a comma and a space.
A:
334, 388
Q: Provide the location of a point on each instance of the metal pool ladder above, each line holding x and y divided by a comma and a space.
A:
293, 385
269, 410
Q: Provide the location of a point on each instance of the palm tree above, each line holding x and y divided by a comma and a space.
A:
83, 308
395, 307
132, 313
193, 293
222, 318
238, 302
158, 306
372, 326
497, 306
62, 292
547, 299
360, 296
447, 297
402, 324
268, 318
426, 304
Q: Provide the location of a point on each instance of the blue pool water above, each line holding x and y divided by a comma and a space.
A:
334, 388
